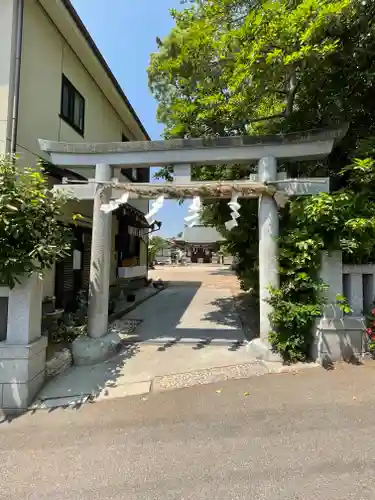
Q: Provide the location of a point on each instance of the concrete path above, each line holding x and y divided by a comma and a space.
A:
190, 335
141, 368
304, 436
190, 313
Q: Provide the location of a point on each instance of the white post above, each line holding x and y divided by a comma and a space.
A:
268, 219
101, 248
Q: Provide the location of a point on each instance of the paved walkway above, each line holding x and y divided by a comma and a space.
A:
189, 314
207, 275
191, 335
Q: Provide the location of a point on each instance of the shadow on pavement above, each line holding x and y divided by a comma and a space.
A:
222, 272
189, 314
183, 313
78, 385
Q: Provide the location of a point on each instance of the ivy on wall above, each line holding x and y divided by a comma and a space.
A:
345, 221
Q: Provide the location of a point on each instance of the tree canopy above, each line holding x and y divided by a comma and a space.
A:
249, 67
246, 67
266, 66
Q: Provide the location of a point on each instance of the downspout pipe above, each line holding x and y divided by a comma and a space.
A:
17, 76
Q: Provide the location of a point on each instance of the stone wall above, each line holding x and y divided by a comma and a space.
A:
336, 335
359, 287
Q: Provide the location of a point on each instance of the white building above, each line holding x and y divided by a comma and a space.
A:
55, 84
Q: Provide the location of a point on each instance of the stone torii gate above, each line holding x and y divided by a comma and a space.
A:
271, 188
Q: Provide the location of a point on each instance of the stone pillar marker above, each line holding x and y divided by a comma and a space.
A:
100, 265
25, 311
23, 353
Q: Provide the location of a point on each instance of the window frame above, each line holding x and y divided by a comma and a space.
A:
73, 93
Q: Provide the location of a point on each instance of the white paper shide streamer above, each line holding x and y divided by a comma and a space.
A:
155, 207
114, 204
194, 211
235, 207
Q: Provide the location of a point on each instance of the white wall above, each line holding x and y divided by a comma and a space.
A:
46, 56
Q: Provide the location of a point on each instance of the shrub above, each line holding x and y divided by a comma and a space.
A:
32, 236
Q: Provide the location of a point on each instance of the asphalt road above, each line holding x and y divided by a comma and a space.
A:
305, 436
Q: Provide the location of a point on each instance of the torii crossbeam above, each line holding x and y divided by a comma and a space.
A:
270, 187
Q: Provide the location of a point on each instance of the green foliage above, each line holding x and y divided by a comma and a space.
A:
72, 324
229, 66
343, 304
370, 328
233, 67
292, 326
227, 63
300, 299
344, 220
156, 243
32, 238
241, 241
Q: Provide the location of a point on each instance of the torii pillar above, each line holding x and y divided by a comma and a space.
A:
100, 265
268, 221
268, 227
310, 145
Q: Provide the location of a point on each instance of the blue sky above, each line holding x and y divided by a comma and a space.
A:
125, 32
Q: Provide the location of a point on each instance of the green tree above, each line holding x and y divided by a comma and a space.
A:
32, 237
344, 220
248, 67
156, 243
230, 64
232, 67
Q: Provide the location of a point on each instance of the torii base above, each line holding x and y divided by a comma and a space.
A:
88, 351
259, 349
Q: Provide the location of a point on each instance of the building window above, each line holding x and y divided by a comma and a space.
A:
72, 106
131, 174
